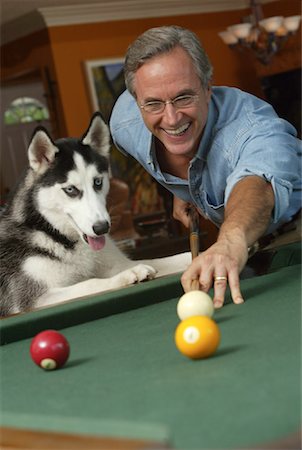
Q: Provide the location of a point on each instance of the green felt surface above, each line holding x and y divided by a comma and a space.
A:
287, 255
113, 302
125, 375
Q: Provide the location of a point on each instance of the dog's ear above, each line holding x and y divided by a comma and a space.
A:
97, 136
41, 151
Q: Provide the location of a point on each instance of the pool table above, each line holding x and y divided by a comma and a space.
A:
126, 386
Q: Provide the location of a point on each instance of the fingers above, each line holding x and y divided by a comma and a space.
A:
190, 278
220, 286
234, 284
195, 285
216, 275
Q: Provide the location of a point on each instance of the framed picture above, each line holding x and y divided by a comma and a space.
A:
105, 79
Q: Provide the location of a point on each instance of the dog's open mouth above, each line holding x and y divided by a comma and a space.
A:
95, 243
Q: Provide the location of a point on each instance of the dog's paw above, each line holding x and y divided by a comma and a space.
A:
144, 272
140, 272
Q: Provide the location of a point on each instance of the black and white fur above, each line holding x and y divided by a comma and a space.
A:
54, 244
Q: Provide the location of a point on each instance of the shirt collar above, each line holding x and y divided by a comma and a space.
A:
207, 132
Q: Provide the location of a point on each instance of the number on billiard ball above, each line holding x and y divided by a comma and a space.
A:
197, 337
195, 303
49, 349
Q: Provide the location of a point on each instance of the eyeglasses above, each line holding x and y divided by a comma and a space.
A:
158, 106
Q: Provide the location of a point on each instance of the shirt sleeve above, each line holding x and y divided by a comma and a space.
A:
270, 150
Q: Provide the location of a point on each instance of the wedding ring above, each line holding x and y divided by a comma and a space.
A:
220, 278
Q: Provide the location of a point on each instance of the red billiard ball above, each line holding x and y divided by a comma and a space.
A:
49, 349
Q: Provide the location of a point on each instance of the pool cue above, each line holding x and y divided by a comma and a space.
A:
194, 240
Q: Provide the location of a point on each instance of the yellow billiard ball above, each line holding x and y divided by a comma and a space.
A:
197, 337
195, 303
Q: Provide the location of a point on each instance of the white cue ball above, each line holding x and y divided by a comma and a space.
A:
195, 303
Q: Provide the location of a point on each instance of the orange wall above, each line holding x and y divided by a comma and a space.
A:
64, 50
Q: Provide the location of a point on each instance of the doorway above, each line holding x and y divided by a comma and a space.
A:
23, 108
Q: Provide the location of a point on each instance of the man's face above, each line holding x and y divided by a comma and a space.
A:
166, 77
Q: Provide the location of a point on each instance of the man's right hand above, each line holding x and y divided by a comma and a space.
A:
181, 211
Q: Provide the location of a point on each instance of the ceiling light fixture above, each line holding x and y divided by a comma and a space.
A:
264, 37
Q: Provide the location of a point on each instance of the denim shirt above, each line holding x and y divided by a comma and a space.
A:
243, 136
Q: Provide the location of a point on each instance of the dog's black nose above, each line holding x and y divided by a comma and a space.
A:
100, 228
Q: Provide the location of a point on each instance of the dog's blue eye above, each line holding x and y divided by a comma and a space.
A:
71, 191
98, 183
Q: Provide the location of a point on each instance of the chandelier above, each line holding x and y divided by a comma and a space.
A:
264, 37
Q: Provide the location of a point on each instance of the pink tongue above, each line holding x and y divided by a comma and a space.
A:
96, 243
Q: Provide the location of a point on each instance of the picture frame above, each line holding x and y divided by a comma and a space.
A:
105, 79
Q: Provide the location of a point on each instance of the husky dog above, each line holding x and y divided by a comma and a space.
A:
54, 244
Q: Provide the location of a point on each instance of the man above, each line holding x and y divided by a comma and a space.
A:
222, 150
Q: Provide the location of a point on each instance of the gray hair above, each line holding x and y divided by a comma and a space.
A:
159, 40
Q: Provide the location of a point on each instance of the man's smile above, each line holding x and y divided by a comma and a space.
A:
178, 131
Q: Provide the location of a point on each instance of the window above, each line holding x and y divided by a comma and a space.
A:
24, 110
